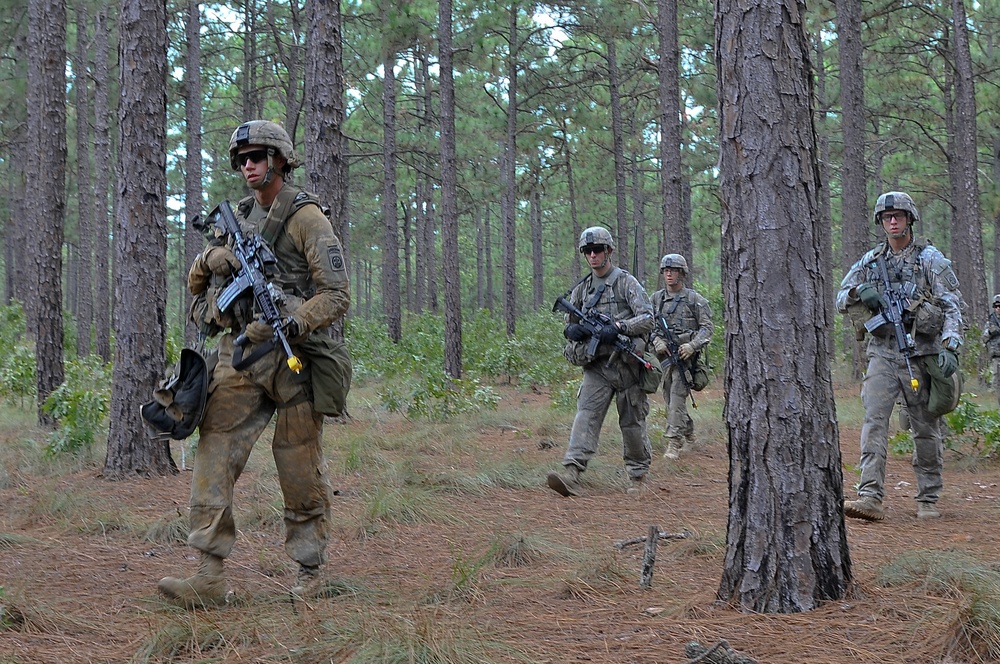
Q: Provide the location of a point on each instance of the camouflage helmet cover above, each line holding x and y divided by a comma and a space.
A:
996, 299
674, 260
895, 200
266, 133
595, 235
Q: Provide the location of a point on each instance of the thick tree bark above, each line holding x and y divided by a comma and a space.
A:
193, 240
140, 242
47, 127
622, 250
856, 220
508, 163
390, 233
325, 143
451, 267
488, 242
537, 257
967, 226
786, 543
104, 177
676, 227
84, 191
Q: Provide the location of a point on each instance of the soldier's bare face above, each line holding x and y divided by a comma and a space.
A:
895, 223
672, 277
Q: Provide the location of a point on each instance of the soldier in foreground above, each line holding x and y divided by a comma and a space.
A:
245, 393
905, 293
683, 322
617, 297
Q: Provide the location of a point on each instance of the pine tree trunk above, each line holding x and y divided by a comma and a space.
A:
140, 243
786, 542
193, 203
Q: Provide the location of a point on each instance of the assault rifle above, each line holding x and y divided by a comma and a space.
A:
256, 260
674, 358
594, 324
891, 310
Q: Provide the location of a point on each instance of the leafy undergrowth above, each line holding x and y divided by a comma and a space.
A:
447, 547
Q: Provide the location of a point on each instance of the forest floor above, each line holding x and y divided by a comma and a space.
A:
447, 547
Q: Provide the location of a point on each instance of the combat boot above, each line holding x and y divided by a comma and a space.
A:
635, 485
674, 447
927, 511
867, 508
566, 483
307, 583
207, 587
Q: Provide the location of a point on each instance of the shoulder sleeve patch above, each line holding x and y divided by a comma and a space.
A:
336, 257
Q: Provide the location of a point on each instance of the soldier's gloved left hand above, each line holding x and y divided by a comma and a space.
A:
686, 351
258, 332
869, 296
609, 333
576, 332
947, 361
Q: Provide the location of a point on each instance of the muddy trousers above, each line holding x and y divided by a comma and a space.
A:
239, 408
884, 383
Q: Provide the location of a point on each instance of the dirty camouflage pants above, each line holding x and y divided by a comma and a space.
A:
675, 396
240, 405
600, 385
885, 382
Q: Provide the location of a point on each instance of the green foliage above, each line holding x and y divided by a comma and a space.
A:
79, 405
979, 429
901, 443
17, 360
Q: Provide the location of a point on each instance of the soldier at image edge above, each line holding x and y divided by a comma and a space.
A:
920, 274
688, 317
241, 402
991, 340
607, 373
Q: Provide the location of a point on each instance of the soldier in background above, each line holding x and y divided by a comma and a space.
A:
688, 316
607, 374
916, 267
991, 339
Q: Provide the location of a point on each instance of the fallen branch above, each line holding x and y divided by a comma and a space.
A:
621, 544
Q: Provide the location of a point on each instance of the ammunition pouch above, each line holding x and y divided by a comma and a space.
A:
928, 320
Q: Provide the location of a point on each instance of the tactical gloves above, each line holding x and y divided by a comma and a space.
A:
686, 351
221, 261
258, 332
869, 296
947, 360
660, 346
576, 332
609, 334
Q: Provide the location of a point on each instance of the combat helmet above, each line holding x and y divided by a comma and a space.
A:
178, 404
674, 260
895, 200
595, 235
266, 133
996, 299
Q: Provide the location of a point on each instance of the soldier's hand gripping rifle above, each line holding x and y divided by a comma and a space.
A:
891, 310
256, 258
595, 324
674, 359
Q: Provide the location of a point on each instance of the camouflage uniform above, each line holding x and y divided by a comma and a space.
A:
610, 375
887, 379
991, 339
241, 403
688, 316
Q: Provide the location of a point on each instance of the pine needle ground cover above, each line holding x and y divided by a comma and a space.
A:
447, 547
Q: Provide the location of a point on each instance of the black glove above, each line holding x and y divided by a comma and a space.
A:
948, 362
869, 296
609, 334
576, 332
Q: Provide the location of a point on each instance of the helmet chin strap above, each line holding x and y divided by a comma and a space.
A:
607, 257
